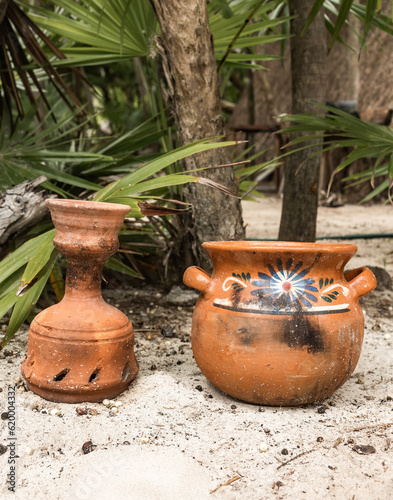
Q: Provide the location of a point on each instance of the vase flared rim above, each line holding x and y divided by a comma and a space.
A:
279, 246
86, 205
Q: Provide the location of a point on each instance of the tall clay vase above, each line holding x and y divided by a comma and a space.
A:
82, 349
278, 323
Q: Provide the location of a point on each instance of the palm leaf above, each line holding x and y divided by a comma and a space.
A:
116, 265
38, 264
106, 31
24, 306
345, 7
318, 4
103, 31
370, 15
236, 31
155, 166
19, 257
365, 139
20, 42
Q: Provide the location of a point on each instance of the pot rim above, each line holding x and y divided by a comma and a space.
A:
86, 205
261, 246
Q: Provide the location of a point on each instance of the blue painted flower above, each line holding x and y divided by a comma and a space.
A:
286, 288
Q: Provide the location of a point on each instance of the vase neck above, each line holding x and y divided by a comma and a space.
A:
83, 278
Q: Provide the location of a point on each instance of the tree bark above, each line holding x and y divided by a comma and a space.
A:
186, 48
308, 63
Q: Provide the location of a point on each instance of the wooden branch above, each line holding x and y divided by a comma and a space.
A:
20, 208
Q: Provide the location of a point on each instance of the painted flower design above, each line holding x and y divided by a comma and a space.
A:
287, 287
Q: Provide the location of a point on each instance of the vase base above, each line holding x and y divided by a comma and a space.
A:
71, 396
98, 366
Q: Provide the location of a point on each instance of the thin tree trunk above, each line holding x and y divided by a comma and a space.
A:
308, 63
190, 69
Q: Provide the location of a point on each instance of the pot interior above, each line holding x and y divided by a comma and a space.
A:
278, 246
239, 255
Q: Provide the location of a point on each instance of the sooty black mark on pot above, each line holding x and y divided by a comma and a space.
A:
79, 273
246, 337
235, 297
108, 244
299, 332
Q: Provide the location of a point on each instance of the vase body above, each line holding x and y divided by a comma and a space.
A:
278, 323
82, 349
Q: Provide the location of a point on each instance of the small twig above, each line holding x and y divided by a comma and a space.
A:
148, 330
337, 442
232, 164
208, 182
153, 245
388, 424
230, 481
295, 457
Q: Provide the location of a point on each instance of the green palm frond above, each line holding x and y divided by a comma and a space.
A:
139, 181
70, 165
125, 148
101, 31
337, 13
21, 53
24, 272
250, 24
338, 129
105, 31
28, 152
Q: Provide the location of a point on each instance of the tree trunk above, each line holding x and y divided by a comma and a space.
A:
308, 63
190, 69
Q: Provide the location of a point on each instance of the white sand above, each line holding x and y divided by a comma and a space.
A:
170, 440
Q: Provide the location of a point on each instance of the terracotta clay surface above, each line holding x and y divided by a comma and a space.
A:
278, 323
82, 349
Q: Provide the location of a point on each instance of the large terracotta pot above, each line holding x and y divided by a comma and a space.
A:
278, 323
82, 349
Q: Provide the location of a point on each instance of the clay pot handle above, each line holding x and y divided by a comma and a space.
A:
362, 280
197, 278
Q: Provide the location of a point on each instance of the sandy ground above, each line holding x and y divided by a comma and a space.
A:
176, 436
